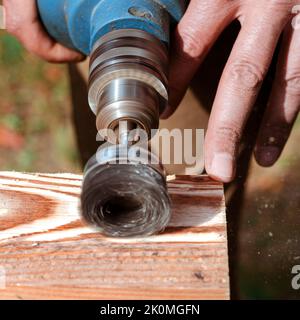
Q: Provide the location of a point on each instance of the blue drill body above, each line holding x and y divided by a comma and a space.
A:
78, 24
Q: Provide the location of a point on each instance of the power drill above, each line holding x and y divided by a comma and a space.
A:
127, 41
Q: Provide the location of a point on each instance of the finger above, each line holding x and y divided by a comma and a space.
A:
45, 47
195, 34
284, 103
238, 89
23, 22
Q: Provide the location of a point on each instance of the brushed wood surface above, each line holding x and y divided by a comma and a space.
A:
46, 252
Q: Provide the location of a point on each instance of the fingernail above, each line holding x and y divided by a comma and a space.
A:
222, 166
266, 156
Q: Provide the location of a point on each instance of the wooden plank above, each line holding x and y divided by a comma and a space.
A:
47, 253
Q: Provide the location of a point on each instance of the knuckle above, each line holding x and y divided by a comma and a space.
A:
280, 3
292, 83
277, 4
191, 46
246, 75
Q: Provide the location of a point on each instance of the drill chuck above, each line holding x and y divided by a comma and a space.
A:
128, 79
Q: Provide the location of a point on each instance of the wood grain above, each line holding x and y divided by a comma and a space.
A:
46, 252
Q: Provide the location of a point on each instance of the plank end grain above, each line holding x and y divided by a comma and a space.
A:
46, 252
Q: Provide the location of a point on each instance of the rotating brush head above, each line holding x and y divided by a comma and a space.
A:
125, 200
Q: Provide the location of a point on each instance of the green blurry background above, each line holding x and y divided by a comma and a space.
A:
36, 134
35, 124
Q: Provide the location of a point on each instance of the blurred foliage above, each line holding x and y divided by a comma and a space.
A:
35, 111
11, 50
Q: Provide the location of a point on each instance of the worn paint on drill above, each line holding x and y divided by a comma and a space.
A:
78, 24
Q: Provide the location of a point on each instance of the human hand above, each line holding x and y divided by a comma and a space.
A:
22, 21
262, 23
